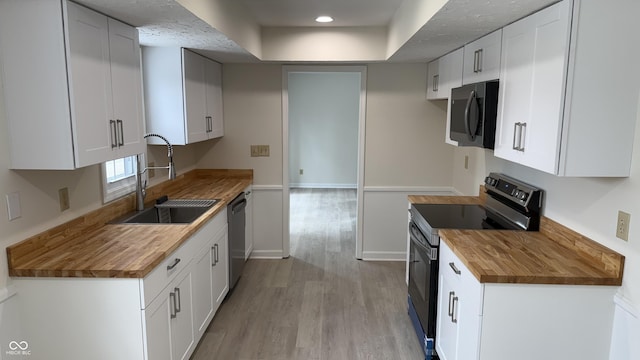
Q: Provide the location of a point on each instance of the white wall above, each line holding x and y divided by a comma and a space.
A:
323, 129
404, 150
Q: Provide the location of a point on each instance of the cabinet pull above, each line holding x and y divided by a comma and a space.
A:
453, 310
216, 253
208, 123
213, 256
449, 312
178, 306
454, 268
436, 80
175, 262
114, 134
172, 301
120, 132
477, 61
523, 131
515, 136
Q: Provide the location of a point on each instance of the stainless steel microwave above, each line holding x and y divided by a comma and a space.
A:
474, 109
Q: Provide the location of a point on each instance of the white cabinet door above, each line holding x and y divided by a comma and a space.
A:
482, 59
157, 329
433, 77
195, 94
90, 76
531, 94
221, 267
124, 51
447, 329
203, 300
182, 330
459, 309
443, 74
213, 81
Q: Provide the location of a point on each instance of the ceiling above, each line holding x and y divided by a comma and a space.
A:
168, 23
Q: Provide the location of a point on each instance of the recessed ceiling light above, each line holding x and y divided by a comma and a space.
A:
324, 19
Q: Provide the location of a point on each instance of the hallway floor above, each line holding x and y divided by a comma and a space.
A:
320, 303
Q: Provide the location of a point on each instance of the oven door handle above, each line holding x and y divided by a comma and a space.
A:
432, 252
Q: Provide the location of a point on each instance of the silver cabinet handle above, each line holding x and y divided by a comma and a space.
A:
523, 131
175, 262
177, 306
518, 136
454, 268
209, 123
216, 253
436, 80
114, 134
449, 311
172, 301
477, 61
453, 310
213, 256
120, 132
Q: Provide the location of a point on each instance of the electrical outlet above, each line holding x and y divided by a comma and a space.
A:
63, 196
466, 162
622, 228
13, 206
151, 172
301, 171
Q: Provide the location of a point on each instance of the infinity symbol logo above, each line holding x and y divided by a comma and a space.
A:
22, 345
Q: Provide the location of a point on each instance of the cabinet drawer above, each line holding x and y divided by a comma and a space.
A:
170, 267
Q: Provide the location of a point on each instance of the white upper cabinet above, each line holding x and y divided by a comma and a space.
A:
444, 74
482, 59
183, 95
72, 85
569, 86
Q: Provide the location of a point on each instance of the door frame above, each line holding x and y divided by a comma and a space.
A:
286, 70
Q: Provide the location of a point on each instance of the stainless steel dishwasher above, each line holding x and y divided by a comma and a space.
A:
236, 220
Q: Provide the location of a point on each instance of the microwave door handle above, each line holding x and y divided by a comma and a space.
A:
467, 116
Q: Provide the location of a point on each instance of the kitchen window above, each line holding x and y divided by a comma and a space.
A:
118, 178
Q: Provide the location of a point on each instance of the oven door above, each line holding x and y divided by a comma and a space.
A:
423, 279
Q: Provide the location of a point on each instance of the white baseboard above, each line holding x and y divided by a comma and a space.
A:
321, 186
248, 252
384, 256
267, 187
266, 254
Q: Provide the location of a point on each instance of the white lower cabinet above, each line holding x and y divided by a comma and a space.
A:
494, 321
160, 317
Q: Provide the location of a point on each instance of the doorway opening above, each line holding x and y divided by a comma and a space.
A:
323, 153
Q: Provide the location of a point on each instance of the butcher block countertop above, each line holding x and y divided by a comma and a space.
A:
90, 247
554, 255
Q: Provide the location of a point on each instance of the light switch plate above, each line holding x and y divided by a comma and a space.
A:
259, 150
13, 206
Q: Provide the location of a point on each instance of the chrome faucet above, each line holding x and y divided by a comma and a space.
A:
141, 187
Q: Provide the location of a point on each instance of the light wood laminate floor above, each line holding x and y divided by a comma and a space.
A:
320, 303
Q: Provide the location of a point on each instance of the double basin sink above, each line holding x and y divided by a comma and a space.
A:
174, 211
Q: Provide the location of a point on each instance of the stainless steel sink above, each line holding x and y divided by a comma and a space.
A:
175, 211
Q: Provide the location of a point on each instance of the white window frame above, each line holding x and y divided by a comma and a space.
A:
117, 189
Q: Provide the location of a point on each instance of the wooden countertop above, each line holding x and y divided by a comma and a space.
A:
554, 255
89, 247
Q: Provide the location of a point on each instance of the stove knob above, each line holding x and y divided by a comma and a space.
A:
490, 181
523, 195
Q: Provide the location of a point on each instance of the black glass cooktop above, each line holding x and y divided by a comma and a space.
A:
450, 216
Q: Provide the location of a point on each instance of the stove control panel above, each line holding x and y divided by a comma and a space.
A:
511, 189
